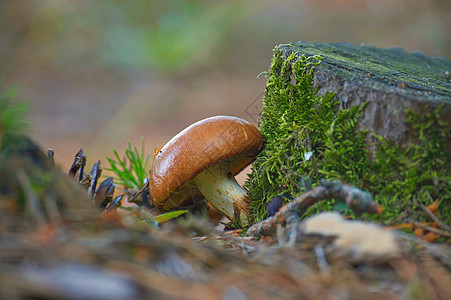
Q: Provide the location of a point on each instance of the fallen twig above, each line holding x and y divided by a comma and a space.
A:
435, 218
431, 229
355, 198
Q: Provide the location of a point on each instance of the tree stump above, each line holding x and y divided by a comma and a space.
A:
379, 119
390, 80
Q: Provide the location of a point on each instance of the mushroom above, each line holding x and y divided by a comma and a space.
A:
204, 158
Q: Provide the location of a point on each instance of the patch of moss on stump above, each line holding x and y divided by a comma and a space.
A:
311, 133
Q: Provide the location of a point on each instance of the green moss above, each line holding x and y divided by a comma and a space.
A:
402, 178
307, 135
418, 74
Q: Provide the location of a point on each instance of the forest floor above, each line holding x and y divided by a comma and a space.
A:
65, 251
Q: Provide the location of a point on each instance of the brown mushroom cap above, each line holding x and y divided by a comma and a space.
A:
196, 148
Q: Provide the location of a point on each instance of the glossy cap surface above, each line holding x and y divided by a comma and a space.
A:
196, 148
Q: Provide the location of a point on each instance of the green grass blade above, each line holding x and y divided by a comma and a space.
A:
169, 215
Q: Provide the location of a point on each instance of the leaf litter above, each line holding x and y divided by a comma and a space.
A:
55, 244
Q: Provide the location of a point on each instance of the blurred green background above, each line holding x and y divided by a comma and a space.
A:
101, 73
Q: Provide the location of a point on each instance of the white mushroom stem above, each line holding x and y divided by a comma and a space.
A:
220, 188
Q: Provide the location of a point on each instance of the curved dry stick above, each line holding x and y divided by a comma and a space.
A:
356, 199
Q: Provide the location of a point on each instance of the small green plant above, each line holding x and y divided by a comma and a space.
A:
131, 171
152, 220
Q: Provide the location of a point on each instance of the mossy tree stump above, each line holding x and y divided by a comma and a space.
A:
377, 118
391, 81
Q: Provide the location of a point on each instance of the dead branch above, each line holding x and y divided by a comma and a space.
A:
356, 199
435, 218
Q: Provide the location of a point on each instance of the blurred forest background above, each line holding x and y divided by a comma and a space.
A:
101, 73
